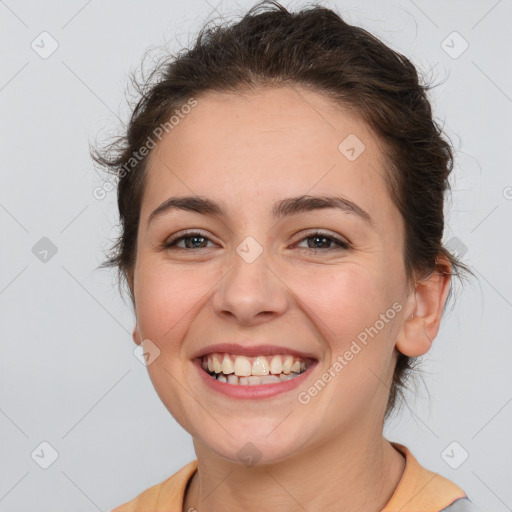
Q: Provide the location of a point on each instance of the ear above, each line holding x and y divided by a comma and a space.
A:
130, 279
136, 336
424, 311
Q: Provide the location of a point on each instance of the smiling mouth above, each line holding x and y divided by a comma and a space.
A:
253, 371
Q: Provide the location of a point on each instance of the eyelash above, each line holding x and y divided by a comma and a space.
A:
342, 245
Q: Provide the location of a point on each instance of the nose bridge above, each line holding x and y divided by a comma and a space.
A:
251, 288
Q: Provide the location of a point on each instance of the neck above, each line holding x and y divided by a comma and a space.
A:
361, 477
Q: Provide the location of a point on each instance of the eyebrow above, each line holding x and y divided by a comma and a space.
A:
282, 208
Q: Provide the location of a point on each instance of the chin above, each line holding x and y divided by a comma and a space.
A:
254, 446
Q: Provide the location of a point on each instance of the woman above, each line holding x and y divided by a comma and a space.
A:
281, 189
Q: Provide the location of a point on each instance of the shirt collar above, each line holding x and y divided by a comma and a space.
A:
419, 489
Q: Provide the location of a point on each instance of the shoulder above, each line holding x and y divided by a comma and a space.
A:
462, 505
421, 490
170, 492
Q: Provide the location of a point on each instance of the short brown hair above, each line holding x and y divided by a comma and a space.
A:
317, 49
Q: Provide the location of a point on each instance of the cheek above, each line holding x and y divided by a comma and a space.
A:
167, 299
352, 308
344, 298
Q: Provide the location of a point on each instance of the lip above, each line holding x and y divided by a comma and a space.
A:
259, 391
251, 350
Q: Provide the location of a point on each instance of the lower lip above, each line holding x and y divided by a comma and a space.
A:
253, 391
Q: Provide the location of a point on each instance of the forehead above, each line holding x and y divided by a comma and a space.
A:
257, 147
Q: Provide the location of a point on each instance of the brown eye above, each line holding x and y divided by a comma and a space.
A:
192, 240
319, 241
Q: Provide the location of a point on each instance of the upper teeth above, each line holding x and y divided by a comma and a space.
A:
244, 366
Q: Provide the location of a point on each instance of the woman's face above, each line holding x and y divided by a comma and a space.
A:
254, 276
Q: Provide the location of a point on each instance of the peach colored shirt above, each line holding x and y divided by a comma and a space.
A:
419, 490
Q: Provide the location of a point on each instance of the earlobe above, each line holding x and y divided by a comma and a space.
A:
135, 336
424, 314
414, 340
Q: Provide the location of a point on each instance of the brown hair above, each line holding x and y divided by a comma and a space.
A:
313, 48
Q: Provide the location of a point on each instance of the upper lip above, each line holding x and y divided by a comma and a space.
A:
252, 350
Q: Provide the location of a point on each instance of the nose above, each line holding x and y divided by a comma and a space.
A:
251, 293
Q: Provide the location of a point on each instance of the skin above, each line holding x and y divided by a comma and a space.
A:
247, 151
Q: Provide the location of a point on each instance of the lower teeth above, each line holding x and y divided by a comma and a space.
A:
254, 380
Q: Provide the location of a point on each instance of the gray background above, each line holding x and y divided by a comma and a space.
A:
68, 375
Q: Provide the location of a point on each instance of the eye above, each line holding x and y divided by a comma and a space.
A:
197, 241
320, 239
